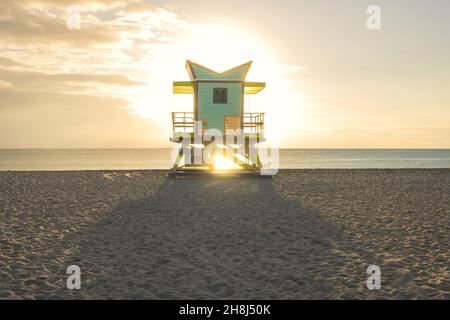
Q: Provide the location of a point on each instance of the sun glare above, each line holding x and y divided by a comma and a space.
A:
220, 48
223, 164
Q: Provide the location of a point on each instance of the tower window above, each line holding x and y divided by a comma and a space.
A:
220, 95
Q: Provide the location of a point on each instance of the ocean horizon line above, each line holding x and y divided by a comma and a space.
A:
301, 148
161, 158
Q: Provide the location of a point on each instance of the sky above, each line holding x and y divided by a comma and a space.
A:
99, 73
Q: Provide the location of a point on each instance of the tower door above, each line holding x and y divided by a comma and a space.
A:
232, 123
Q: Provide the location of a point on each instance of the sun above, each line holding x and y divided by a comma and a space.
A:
219, 47
222, 163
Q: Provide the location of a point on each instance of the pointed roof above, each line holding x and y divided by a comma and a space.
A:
199, 72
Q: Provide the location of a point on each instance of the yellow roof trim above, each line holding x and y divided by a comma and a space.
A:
183, 86
253, 87
190, 64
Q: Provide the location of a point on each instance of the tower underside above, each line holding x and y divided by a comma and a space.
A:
237, 153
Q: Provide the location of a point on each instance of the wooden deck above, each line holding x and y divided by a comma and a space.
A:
183, 122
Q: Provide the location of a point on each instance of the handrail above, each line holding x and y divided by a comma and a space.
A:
183, 122
253, 122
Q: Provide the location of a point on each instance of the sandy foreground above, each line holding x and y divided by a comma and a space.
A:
305, 234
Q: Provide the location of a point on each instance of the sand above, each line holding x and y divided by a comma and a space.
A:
305, 234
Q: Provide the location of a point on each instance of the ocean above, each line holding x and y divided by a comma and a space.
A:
113, 159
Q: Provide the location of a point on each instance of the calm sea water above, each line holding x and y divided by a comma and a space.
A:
92, 159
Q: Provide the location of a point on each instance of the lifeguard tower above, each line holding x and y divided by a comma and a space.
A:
218, 136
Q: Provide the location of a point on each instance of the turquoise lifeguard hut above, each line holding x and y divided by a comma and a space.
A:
218, 123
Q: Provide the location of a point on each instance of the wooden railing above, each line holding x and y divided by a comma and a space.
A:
253, 122
183, 122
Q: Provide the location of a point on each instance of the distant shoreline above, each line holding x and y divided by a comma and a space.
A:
280, 170
168, 148
136, 159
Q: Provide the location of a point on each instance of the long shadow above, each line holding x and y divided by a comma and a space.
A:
215, 239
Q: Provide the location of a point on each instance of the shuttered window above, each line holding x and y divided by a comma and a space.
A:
220, 95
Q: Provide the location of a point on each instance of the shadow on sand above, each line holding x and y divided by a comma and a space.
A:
216, 239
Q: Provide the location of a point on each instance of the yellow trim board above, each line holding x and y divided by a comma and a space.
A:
189, 87
183, 86
190, 66
253, 87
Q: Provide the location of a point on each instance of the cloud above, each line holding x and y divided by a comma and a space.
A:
41, 82
10, 63
76, 87
5, 84
35, 33
36, 23
58, 120
34, 27
292, 68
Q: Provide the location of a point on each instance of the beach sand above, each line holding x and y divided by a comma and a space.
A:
305, 234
